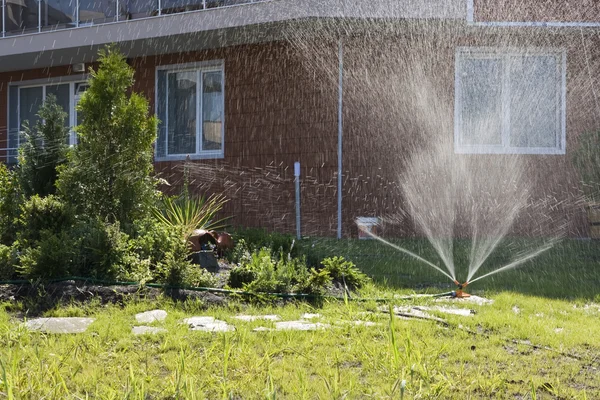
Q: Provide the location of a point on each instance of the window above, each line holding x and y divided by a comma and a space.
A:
509, 101
190, 107
25, 101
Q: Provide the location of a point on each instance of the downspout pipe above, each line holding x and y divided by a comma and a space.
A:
340, 134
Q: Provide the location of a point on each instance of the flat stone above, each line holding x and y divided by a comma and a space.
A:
299, 326
59, 325
310, 316
147, 330
250, 318
149, 317
208, 324
447, 310
471, 299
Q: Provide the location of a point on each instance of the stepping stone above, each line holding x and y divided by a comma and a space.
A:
59, 325
208, 324
147, 330
310, 316
250, 318
299, 326
149, 317
447, 310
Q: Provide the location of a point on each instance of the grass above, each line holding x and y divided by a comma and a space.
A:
571, 269
539, 339
549, 349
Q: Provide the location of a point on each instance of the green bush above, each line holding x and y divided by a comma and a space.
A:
42, 214
50, 257
8, 260
345, 272
45, 148
10, 203
263, 272
108, 175
257, 238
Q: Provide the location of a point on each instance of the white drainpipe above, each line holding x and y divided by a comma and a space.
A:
340, 132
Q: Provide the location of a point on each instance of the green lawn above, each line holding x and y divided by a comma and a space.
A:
571, 269
518, 347
539, 339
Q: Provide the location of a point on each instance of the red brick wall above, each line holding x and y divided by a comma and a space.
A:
399, 98
537, 10
281, 107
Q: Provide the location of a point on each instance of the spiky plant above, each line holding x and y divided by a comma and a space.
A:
191, 213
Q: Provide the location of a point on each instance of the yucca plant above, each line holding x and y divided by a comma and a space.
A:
192, 213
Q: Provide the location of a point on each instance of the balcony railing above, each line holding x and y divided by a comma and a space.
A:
20, 17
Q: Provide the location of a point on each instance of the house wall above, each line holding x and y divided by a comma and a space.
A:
536, 10
281, 107
399, 101
276, 113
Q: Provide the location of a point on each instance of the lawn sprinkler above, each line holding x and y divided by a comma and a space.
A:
459, 292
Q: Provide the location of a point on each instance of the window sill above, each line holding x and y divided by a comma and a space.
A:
517, 150
183, 157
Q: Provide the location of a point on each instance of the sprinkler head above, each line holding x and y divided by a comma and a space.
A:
459, 292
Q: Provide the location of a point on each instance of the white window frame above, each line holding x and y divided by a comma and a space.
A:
199, 68
465, 53
44, 83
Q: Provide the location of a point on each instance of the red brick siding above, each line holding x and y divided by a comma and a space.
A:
537, 10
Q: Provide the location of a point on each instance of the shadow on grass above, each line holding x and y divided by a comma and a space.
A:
570, 270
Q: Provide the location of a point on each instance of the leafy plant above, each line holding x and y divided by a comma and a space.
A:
190, 213
45, 149
344, 271
10, 202
8, 259
586, 159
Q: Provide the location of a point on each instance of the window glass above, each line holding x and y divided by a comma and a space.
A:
57, 13
21, 16
30, 100
510, 101
482, 102
212, 111
534, 102
182, 88
97, 11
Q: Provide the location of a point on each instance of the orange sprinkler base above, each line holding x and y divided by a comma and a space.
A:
460, 293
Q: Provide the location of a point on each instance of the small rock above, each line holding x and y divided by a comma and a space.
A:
147, 330
59, 325
208, 324
149, 317
250, 318
516, 310
310, 316
299, 326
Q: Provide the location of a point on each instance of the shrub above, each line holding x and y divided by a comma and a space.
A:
50, 257
190, 213
108, 176
45, 148
262, 272
8, 259
344, 271
10, 203
42, 214
257, 238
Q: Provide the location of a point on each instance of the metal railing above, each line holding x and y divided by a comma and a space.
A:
21, 17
